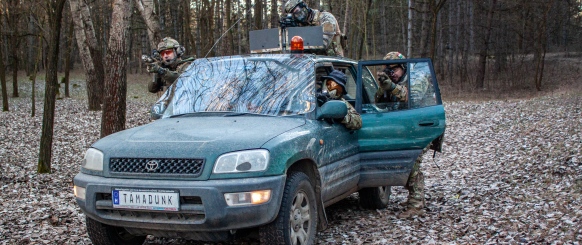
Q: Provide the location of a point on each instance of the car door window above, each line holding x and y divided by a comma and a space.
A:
422, 92
415, 89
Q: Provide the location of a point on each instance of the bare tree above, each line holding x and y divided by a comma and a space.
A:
484, 49
434, 8
409, 29
12, 19
114, 106
68, 54
146, 9
90, 52
3, 69
541, 47
55, 13
33, 77
258, 12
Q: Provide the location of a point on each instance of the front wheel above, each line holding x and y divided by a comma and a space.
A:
102, 234
375, 197
297, 219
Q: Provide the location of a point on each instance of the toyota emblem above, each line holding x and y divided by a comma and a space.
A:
152, 165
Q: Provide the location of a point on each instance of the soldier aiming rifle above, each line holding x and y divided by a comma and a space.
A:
167, 64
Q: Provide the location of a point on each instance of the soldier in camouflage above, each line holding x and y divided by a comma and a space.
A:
393, 89
335, 83
171, 65
306, 16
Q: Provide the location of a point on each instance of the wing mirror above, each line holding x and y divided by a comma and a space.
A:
333, 109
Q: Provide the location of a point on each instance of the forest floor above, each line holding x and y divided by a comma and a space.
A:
510, 173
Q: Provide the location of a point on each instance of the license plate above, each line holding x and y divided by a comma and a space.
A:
146, 199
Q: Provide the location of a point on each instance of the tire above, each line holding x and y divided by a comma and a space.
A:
375, 197
296, 222
102, 234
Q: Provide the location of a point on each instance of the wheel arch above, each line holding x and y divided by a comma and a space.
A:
309, 167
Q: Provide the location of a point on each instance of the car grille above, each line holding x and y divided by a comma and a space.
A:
165, 166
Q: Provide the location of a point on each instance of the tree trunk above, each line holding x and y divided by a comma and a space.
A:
230, 36
146, 9
33, 77
69, 47
424, 30
435, 12
114, 106
188, 29
542, 42
31, 26
364, 31
258, 12
3, 72
55, 13
14, 53
91, 57
274, 14
483, 53
409, 37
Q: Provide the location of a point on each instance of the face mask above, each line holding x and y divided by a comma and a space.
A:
333, 94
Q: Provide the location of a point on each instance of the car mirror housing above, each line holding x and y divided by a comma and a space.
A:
333, 109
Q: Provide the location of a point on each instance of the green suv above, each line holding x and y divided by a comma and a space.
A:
242, 147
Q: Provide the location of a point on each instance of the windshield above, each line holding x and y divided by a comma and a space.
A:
265, 84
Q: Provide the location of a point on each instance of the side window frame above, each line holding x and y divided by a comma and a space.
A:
364, 64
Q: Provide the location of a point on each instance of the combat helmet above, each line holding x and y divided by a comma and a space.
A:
394, 55
291, 4
170, 43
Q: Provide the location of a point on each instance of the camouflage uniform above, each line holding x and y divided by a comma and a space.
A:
331, 32
353, 120
332, 35
418, 88
169, 77
415, 184
397, 91
387, 93
166, 74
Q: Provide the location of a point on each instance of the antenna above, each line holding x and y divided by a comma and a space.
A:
218, 40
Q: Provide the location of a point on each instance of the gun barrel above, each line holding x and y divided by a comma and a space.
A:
147, 59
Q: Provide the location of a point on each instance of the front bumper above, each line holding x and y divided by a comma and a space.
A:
202, 204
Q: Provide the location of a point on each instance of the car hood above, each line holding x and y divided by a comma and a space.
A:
200, 136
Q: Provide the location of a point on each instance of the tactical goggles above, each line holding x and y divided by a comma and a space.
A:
166, 52
391, 70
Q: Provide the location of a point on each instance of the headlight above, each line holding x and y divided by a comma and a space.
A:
242, 161
93, 160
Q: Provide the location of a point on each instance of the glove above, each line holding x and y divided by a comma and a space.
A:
385, 81
322, 98
382, 76
155, 68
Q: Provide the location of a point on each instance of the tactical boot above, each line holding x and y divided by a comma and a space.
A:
410, 212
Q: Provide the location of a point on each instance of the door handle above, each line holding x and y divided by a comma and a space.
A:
427, 123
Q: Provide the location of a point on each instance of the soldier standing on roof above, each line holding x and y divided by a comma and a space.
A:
305, 16
171, 65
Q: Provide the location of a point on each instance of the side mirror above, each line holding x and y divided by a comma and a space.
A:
333, 109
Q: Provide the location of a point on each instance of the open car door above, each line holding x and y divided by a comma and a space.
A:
394, 132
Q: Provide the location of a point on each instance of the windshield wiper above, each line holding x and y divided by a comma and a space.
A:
236, 114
